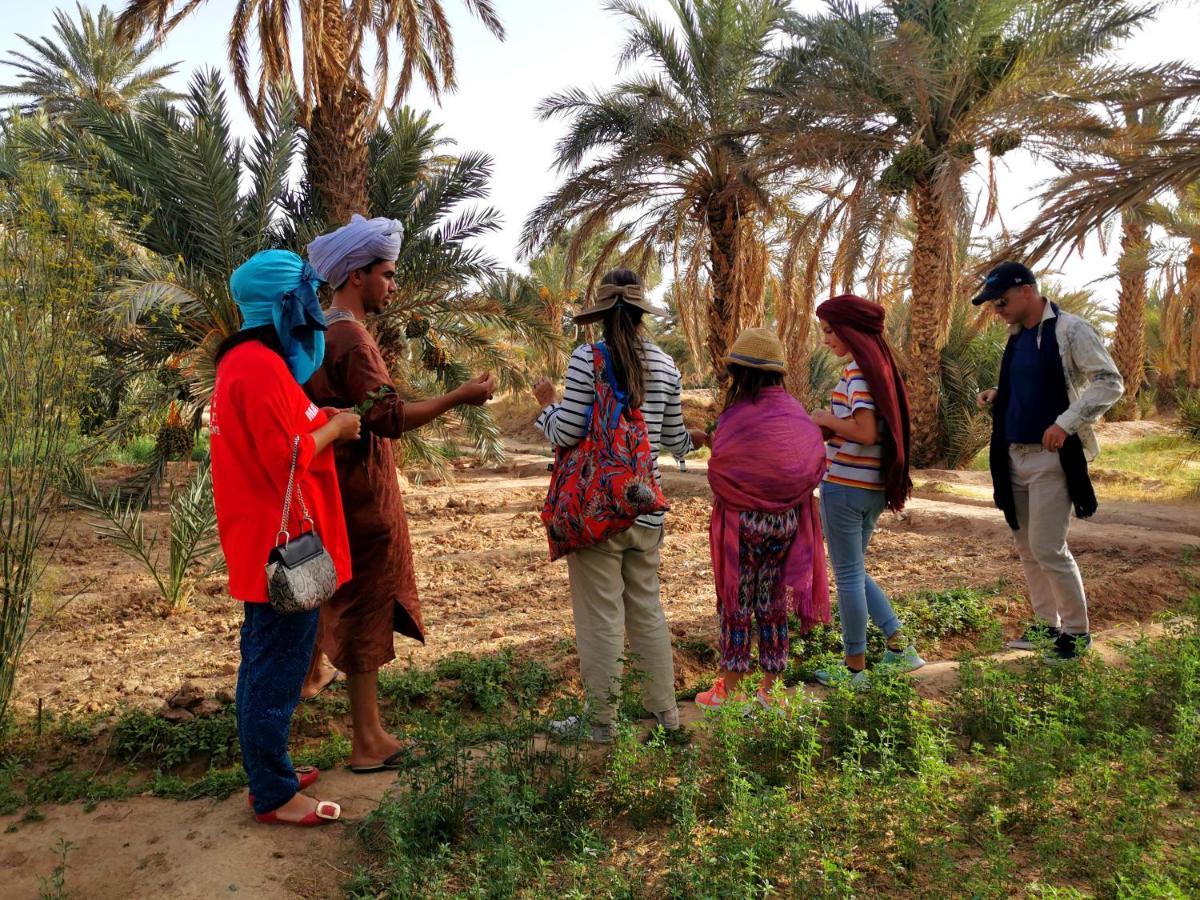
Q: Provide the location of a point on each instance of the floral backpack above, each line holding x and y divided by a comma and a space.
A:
603, 483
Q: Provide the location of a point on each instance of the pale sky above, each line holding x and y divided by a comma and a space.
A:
556, 44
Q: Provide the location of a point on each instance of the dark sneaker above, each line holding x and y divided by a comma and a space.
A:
1036, 635
1069, 646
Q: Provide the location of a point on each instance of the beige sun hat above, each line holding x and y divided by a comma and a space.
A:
758, 348
607, 296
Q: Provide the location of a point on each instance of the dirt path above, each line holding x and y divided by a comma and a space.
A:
147, 847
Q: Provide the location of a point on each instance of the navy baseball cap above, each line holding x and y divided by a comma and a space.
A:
1000, 279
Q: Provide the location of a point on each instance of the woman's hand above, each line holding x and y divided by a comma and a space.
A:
985, 398
347, 425
700, 438
824, 419
543, 390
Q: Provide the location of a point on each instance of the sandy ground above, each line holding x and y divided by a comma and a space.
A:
486, 584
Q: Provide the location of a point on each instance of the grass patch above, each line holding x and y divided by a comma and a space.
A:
1158, 468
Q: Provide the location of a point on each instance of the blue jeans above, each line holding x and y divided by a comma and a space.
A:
849, 515
275, 654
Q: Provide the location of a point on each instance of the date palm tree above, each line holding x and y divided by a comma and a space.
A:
199, 202
668, 158
84, 61
1125, 182
339, 106
920, 92
1181, 221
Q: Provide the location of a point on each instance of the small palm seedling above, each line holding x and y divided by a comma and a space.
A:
193, 550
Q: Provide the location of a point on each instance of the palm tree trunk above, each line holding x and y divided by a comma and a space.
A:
1129, 340
723, 230
1191, 302
929, 321
336, 155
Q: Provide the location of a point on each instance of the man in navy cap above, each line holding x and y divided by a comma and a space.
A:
1056, 381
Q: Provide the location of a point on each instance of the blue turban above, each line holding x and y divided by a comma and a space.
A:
277, 287
360, 243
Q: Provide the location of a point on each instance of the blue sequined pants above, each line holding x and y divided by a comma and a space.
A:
275, 654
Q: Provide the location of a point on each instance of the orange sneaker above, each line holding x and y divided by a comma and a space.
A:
714, 698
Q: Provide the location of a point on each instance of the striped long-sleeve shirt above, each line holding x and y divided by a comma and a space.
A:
565, 423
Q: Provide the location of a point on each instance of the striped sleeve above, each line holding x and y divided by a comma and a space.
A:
565, 423
673, 437
858, 392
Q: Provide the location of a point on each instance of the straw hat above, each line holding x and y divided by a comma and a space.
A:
758, 348
607, 296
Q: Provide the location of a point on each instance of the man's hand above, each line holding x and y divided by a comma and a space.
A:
700, 437
1054, 438
478, 390
543, 390
985, 398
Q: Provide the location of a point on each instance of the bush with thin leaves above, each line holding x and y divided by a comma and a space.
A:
49, 266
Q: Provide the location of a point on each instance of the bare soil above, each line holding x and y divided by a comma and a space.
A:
486, 584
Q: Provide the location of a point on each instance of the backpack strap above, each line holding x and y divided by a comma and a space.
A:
600, 350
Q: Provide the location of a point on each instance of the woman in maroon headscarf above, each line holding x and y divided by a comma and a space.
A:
867, 447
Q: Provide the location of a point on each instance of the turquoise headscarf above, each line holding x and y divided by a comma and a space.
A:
277, 287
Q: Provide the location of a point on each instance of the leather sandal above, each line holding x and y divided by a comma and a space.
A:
326, 811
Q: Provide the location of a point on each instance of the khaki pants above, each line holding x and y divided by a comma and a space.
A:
614, 592
1043, 509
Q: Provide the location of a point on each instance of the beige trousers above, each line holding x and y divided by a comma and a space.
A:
614, 593
1044, 515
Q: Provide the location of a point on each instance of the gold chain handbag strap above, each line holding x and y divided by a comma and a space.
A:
287, 499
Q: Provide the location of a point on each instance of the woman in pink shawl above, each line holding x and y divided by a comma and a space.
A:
768, 557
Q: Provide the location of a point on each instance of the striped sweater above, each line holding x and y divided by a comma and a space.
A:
564, 423
850, 463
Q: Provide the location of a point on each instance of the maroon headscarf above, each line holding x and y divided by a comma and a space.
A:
859, 325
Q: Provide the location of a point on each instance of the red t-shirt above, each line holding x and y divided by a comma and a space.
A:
257, 410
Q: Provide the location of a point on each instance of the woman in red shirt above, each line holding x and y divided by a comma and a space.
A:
258, 410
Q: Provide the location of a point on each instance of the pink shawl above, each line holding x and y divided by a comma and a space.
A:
769, 456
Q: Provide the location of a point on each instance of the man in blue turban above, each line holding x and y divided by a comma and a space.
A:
277, 287
357, 625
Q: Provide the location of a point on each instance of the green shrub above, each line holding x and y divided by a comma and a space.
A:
885, 730
217, 784
484, 818
642, 777
409, 687
326, 755
1185, 747
142, 737
483, 680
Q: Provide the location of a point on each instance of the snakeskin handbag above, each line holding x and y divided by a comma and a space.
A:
300, 572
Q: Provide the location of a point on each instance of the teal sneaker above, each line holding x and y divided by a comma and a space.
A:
906, 660
840, 675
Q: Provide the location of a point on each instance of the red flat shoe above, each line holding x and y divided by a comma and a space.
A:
306, 776
326, 811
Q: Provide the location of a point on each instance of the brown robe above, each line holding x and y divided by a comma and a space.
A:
356, 624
